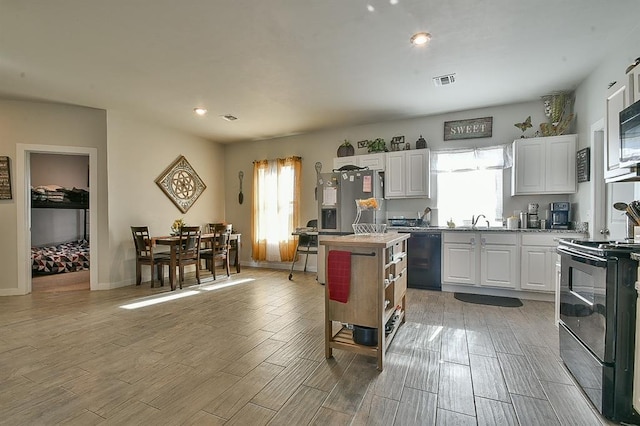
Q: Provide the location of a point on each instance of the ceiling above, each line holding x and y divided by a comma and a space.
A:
287, 67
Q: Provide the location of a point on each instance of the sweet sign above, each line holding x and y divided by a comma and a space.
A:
468, 129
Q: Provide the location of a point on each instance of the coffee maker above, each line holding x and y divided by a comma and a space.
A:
560, 214
532, 210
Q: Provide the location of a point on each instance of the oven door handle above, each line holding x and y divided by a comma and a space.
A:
583, 257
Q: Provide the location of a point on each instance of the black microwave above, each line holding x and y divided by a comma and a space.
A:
630, 135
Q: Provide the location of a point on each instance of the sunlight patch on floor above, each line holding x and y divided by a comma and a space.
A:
218, 286
160, 299
155, 300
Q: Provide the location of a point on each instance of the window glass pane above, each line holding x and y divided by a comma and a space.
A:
462, 195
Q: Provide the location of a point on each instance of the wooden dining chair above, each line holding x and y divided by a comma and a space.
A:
145, 254
187, 252
219, 249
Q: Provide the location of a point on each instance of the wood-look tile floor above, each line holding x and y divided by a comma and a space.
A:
249, 350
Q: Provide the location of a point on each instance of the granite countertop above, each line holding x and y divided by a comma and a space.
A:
478, 229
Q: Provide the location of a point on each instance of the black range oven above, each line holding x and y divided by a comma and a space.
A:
597, 322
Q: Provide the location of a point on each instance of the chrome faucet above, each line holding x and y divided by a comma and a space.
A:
474, 220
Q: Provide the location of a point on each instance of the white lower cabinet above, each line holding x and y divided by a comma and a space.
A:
538, 260
460, 258
480, 259
499, 260
538, 268
524, 261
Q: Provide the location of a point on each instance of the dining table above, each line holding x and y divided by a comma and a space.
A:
172, 242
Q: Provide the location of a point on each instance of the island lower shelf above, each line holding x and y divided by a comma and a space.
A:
343, 339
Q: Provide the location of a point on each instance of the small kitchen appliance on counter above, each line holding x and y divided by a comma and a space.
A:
534, 222
560, 214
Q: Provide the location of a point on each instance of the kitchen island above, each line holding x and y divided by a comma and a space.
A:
376, 292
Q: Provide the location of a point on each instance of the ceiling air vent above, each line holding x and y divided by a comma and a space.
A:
444, 80
228, 117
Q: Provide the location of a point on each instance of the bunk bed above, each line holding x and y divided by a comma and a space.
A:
69, 256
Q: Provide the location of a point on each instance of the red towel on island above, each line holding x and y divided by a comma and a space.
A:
339, 275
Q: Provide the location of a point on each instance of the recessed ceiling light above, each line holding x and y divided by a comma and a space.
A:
370, 8
228, 117
419, 39
200, 111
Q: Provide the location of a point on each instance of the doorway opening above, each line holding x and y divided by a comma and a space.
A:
60, 240
25, 215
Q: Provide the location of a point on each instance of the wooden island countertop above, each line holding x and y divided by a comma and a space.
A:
364, 240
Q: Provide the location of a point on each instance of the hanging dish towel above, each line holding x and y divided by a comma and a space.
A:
339, 275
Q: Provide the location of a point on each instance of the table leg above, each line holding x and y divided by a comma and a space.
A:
172, 267
237, 259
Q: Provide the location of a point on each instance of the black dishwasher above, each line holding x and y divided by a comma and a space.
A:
424, 257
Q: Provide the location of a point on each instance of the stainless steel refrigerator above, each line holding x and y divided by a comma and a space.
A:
337, 193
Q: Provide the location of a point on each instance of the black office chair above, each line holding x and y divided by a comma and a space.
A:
307, 243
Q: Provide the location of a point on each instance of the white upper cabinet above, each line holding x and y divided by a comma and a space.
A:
545, 165
407, 174
616, 101
619, 96
376, 161
634, 85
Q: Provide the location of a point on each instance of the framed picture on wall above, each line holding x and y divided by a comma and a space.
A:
5, 178
181, 184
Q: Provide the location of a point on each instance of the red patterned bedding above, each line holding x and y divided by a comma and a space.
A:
67, 257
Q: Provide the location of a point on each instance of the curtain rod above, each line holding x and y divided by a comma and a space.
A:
294, 157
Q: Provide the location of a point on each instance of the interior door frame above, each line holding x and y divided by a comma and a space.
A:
23, 205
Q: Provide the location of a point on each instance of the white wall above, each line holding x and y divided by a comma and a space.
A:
590, 106
35, 123
139, 152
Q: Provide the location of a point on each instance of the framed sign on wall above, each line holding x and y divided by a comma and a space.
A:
181, 184
5, 178
583, 165
468, 129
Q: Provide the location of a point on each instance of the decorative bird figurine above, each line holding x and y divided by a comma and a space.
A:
524, 125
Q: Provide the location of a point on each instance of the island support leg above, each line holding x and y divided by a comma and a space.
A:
328, 326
